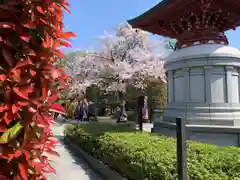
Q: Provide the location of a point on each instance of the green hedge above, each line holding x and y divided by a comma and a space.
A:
145, 156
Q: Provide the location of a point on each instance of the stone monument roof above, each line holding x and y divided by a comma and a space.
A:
204, 50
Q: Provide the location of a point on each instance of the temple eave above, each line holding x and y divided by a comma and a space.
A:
159, 20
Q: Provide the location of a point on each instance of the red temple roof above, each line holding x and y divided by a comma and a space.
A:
189, 19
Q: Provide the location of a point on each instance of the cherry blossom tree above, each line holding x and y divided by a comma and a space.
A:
84, 69
128, 56
131, 56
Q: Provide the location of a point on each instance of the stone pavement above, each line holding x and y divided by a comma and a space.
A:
67, 167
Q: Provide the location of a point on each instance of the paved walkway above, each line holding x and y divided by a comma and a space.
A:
67, 167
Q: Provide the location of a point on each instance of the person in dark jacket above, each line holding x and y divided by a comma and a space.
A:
123, 113
79, 112
85, 110
91, 110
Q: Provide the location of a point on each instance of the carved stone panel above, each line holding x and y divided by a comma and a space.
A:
179, 86
197, 85
218, 85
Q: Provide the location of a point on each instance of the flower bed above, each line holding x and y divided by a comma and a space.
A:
140, 156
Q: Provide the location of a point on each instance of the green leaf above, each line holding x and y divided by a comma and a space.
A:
11, 133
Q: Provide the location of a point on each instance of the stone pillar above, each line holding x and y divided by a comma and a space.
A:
229, 70
179, 81
207, 71
238, 75
186, 85
170, 87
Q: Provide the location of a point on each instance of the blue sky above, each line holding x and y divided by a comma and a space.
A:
89, 19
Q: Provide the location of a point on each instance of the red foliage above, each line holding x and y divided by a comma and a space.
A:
30, 36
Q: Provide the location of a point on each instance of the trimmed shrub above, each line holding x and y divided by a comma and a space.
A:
146, 156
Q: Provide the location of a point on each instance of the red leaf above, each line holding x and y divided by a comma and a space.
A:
27, 155
23, 103
59, 54
39, 9
65, 3
2, 129
8, 117
16, 75
45, 120
32, 110
67, 9
25, 37
4, 108
56, 73
52, 152
30, 25
2, 77
52, 98
17, 177
67, 35
57, 107
8, 57
66, 44
21, 94
24, 63
33, 73
18, 153
42, 20
15, 108
7, 25
23, 168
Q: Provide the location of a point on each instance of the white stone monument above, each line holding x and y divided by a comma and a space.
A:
203, 71
203, 89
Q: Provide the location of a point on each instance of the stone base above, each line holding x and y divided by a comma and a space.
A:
218, 135
217, 114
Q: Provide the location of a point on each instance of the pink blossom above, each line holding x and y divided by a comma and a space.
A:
128, 56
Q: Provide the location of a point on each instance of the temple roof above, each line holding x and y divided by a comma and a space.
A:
172, 17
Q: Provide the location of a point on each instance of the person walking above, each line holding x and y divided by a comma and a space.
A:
91, 111
123, 113
79, 112
85, 110
145, 110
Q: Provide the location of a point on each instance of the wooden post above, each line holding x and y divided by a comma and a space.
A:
181, 149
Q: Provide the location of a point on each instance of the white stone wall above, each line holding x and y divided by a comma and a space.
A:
206, 84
